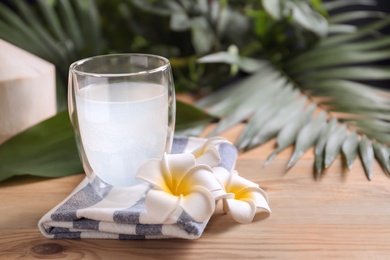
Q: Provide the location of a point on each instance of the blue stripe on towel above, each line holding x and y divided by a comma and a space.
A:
131, 237
179, 144
130, 215
88, 224
228, 154
65, 233
148, 229
82, 199
189, 225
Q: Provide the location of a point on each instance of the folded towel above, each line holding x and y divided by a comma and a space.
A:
120, 213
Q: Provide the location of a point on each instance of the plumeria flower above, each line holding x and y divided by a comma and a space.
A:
248, 196
208, 153
178, 181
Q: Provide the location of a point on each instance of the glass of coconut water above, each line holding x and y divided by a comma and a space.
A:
122, 108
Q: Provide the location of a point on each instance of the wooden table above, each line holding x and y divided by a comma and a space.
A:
341, 215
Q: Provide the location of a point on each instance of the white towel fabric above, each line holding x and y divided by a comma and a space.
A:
120, 213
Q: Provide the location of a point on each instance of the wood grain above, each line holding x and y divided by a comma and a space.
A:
340, 216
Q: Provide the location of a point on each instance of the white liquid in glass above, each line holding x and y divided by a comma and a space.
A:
122, 125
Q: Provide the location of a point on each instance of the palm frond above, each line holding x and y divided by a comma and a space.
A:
332, 5
333, 75
367, 154
349, 148
382, 154
319, 151
355, 15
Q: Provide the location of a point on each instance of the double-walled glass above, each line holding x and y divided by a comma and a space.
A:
122, 108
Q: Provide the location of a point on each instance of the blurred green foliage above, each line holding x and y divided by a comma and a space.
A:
62, 31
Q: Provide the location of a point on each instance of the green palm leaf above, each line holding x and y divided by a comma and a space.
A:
349, 149
382, 153
319, 150
289, 132
367, 155
32, 153
356, 15
331, 5
330, 74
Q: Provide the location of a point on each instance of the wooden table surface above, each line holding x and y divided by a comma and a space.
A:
341, 215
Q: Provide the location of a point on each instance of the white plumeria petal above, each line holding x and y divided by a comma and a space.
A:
178, 165
152, 172
222, 175
209, 157
225, 206
201, 175
216, 140
257, 195
199, 204
165, 170
160, 204
211, 142
261, 203
221, 194
237, 183
242, 211
253, 191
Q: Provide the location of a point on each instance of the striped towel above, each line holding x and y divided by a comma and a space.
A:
119, 213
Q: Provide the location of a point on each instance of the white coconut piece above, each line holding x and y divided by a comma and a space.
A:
27, 90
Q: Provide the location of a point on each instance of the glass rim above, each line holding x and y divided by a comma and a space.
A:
162, 67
